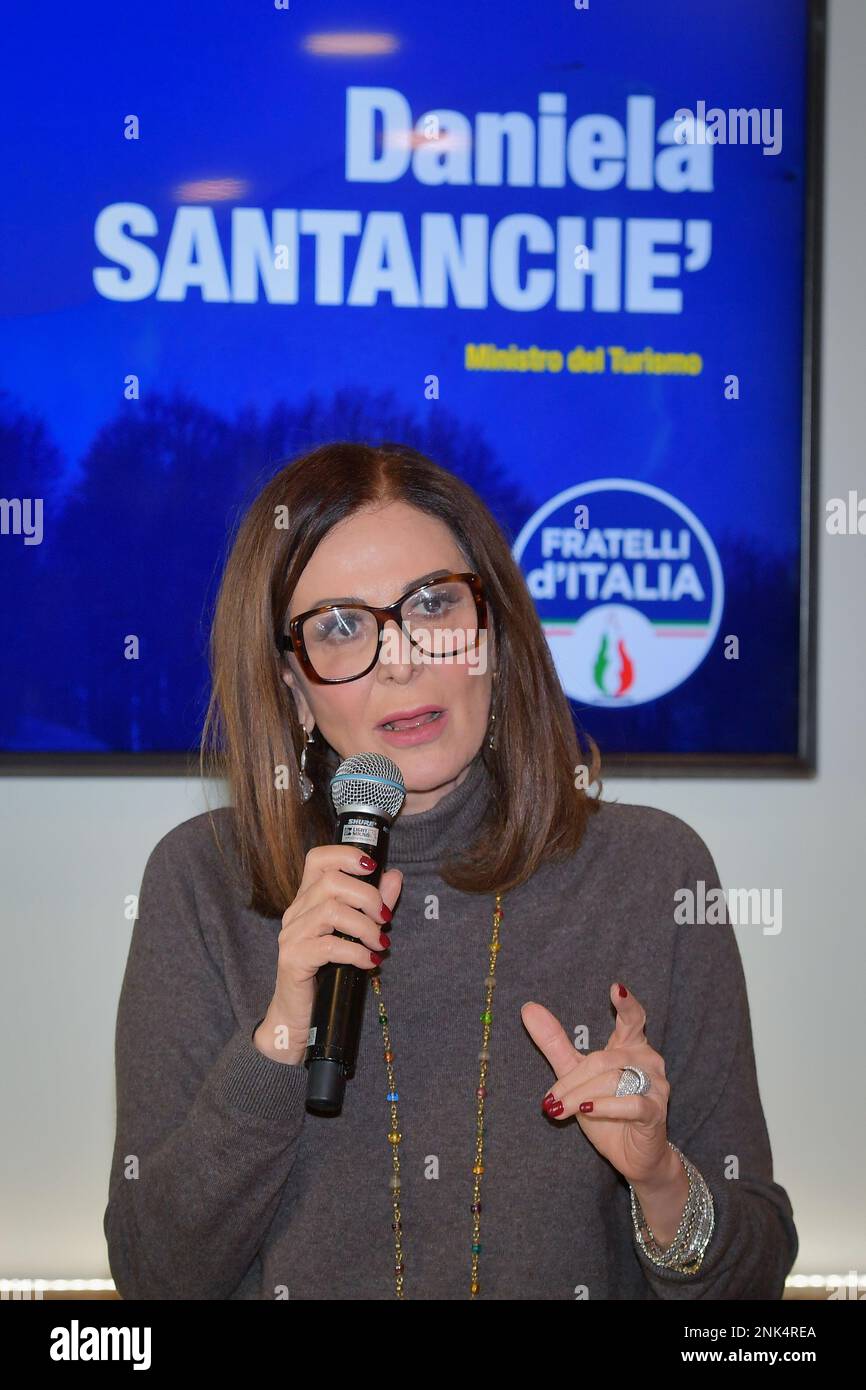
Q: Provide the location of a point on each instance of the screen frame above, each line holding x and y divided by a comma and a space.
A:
803, 763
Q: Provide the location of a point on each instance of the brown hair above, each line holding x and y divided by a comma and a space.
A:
251, 727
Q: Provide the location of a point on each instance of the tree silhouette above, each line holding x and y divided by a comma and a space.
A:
358, 414
144, 534
32, 467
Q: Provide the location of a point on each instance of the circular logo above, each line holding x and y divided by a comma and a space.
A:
628, 586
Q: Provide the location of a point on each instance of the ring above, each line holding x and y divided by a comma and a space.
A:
633, 1082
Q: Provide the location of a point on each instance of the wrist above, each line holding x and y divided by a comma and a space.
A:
280, 1040
683, 1251
669, 1177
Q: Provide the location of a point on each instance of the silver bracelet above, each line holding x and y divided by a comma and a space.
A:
686, 1251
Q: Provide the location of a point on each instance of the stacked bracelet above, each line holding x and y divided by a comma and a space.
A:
686, 1250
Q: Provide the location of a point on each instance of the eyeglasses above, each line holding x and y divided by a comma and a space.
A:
443, 618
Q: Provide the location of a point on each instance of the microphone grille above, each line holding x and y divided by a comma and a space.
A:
368, 781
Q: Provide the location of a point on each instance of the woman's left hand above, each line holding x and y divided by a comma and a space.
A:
630, 1131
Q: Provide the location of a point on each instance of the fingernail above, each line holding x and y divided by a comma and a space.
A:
622, 991
386, 912
367, 862
376, 957
555, 1109
385, 940
585, 1107
547, 1099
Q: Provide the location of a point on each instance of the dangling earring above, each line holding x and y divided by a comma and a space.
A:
304, 782
490, 743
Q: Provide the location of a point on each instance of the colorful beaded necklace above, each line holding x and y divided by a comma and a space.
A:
394, 1136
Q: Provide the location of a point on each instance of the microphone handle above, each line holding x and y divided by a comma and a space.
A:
341, 990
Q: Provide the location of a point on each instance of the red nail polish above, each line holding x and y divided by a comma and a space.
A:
385, 940
585, 1107
622, 992
376, 957
367, 862
555, 1109
386, 912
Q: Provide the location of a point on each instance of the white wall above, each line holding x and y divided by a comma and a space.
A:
74, 848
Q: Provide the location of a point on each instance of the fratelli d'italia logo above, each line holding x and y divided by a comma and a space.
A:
628, 586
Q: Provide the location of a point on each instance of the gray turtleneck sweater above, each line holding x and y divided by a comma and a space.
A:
223, 1185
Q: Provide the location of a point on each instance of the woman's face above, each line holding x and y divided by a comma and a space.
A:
376, 555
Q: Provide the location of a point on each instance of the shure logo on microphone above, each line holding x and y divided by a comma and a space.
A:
76, 1343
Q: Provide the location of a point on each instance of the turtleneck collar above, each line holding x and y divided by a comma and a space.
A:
450, 825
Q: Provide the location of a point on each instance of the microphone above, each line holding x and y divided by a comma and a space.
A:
367, 791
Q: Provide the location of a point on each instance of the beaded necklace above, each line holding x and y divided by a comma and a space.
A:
394, 1136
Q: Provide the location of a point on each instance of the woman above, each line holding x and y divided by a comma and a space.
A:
555, 1094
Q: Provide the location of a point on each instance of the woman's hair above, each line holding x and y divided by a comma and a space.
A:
252, 730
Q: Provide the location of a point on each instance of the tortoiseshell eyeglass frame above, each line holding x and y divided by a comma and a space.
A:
293, 641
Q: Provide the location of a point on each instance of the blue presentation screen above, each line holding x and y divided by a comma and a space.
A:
560, 248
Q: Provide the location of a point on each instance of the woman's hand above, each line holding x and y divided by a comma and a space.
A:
331, 904
630, 1131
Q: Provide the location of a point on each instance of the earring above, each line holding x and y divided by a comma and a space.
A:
304, 782
490, 743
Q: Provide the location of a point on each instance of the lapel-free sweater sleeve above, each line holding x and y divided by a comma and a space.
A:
207, 1125
715, 1116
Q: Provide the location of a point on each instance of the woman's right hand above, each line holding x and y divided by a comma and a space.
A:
330, 899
